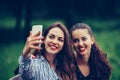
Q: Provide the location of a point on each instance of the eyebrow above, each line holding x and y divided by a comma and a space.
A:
57, 36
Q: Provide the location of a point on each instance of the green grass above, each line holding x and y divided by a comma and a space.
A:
9, 54
10, 22
103, 24
7, 22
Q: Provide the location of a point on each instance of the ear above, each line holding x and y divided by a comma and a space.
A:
93, 40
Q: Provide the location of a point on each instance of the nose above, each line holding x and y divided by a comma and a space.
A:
55, 41
80, 43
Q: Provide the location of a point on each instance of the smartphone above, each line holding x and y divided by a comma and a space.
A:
37, 28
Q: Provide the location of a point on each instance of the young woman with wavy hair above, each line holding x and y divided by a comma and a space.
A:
54, 60
91, 61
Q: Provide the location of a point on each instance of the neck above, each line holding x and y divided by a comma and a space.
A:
83, 65
82, 59
50, 59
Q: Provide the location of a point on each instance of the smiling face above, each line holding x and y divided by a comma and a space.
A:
82, 41
54, 41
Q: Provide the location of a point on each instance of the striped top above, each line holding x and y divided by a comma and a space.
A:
36, 69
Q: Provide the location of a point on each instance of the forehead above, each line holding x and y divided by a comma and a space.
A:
80, 33
56, 31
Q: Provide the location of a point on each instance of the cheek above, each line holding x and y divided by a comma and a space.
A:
75, 45
89, 44
62, 44
45, 42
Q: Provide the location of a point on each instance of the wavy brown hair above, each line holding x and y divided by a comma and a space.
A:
65, 67
98, 59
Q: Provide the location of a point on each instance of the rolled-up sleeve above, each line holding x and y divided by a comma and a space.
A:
36, 69
25, 67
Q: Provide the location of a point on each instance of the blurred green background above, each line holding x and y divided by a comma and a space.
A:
17, 17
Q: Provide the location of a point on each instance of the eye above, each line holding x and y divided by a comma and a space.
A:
84, 39
51, 36
75, 40
61, 39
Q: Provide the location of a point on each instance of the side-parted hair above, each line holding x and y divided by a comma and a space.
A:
65, 67
98, 59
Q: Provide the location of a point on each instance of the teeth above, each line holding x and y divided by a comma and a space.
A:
82, 48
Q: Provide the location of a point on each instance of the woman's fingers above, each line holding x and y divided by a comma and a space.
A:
36, 34
33, 38
35, 47
32, 42
35, 43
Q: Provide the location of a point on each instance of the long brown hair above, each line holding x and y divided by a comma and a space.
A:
98, 59
65, 67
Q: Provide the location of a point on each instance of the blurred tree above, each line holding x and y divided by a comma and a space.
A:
60, 9
19, 5
28, 17
71, 11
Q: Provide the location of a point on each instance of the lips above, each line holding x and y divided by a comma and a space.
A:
53, 47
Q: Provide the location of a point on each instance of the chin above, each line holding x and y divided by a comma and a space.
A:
51, 52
